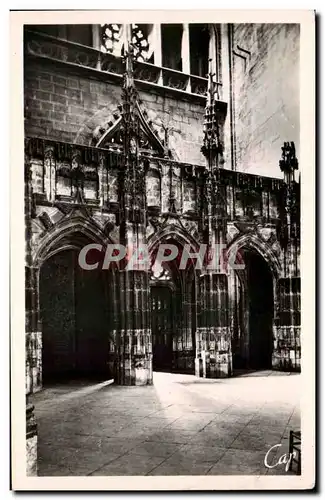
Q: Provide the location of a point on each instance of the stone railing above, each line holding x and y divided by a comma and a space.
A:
92, 156
57, 168
74, 54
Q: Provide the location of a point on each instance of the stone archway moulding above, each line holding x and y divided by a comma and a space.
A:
252, 241
64, 234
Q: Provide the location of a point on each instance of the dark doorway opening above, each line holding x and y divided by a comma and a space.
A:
251, 292
260, 305
162, 324
75, 320
173, 315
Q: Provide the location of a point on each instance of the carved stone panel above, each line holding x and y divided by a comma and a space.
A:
37, 169
63, 180
177, 187
230, 201
265, 204
273, 207
239, 208
153, 189
189, 202
90, 189
113, 186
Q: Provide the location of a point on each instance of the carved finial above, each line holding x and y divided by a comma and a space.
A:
211, 86
211, 143
77, 175
288, 163
128, 58
130, 122
167, 130
172, 205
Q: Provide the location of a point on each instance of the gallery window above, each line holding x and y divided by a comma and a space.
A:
171, 38
169, 55
199, 49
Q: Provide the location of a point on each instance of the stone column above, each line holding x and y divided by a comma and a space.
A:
96, 28
186, 61
287, 348
31, 441
97, 43
286, 332
186, 49
103, 182
166, 186
33, 332
225, 94
213, 338
212, 50
133, 340
157, 49
213, 342
33, 326
49, 173
156, 40
133, 343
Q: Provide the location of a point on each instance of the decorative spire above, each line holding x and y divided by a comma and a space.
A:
130, 118
211, 87
129, 91
289, 224
211, 141
128, 75
288, 163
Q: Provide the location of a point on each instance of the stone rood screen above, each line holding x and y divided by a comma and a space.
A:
82, 199
162, 230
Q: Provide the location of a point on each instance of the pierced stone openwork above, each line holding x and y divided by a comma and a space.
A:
159, 273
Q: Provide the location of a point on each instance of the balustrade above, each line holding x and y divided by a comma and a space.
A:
57, 49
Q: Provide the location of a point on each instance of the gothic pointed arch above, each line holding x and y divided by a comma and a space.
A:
172, 232
71, 232
251, 240
110, 135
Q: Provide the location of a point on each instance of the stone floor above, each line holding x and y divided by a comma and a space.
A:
181, 425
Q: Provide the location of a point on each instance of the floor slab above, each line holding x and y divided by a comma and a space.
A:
181, 425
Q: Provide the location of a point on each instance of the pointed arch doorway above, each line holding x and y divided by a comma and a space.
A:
173, 314
163, 320
252, 310
74, 309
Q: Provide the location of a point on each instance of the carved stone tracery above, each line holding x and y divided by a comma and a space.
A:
192, 207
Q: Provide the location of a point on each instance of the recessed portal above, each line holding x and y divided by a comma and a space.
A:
252, 314
260, 309
75, 319
162, 323
173, 316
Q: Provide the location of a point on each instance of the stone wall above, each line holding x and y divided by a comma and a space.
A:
265, 94
260, 86
69, 107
